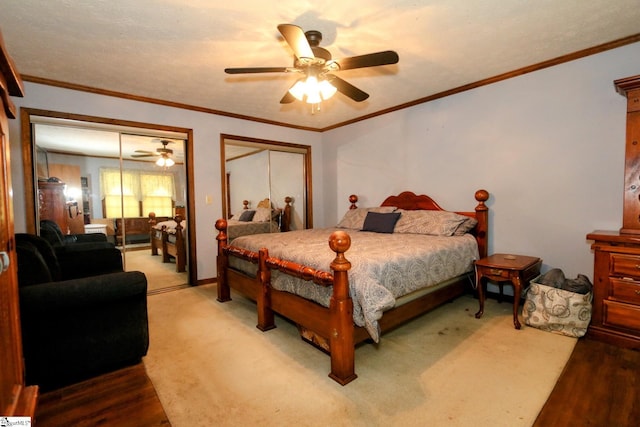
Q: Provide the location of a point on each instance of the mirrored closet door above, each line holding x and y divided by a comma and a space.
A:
258, 172
93, 177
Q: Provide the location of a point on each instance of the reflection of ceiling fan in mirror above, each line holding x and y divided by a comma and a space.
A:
163, 152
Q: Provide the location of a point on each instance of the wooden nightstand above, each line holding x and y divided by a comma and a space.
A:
517, 269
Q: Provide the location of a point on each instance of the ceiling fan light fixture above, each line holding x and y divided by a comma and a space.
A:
165, 162
312, 91
327, 89
298, 90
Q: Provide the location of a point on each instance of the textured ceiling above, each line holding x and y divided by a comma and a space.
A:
176, 51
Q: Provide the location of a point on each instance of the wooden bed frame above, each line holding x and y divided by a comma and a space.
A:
332, 329
160, 242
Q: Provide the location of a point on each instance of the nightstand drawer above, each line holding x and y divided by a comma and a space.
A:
625, 265
625, 291
621, 315
497, 273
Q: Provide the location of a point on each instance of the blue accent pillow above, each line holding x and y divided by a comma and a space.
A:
247, 216
380, 222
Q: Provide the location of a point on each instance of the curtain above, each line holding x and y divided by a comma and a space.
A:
155, 191
157, 185
110, 183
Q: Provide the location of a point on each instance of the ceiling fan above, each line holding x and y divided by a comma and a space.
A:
163, 152
316, 65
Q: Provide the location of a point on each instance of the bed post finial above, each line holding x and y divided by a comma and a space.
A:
353, 199
222, 260
482, 229
285, 224
482, 196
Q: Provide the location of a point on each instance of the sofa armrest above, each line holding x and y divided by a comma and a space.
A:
82, 293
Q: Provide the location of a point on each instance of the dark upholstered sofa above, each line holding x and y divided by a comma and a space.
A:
79, 328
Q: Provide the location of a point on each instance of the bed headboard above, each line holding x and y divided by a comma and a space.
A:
410, 201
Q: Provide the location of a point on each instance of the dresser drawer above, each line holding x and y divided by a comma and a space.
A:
625, 265
625, 291
621, 315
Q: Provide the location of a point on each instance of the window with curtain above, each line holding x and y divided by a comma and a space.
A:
158, 193
131, 193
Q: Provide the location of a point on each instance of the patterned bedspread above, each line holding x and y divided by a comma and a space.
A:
245, 228
384, 267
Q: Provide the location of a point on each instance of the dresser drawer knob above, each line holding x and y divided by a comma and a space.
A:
637, 291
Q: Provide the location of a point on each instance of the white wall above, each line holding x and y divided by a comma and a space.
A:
206, 134
548, 146
249, 180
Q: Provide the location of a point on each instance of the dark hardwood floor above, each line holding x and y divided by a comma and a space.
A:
600, 386
122, 398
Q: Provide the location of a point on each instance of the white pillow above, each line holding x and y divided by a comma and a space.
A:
262, 215
436, 223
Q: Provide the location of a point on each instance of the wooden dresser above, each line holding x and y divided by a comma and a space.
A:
616, 292
616, 270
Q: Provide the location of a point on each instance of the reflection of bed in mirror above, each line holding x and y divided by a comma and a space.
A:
168, 238
264, 219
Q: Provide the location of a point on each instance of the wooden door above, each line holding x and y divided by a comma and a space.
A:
15, 398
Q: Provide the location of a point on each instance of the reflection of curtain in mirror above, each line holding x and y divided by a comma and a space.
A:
158, 193
155, 192
113, 186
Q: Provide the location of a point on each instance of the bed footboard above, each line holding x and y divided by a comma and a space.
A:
160, 243
338, 328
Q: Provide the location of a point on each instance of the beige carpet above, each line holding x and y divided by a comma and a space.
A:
211, 366
159, 275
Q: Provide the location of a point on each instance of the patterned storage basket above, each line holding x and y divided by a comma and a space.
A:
556, 310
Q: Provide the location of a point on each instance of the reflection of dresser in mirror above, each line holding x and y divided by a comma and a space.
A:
52, 203
62, 201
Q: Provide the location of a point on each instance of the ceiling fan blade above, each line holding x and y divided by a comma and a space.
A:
297, 40
287, 98
347, 88
370, 60
143, 155
256, 70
